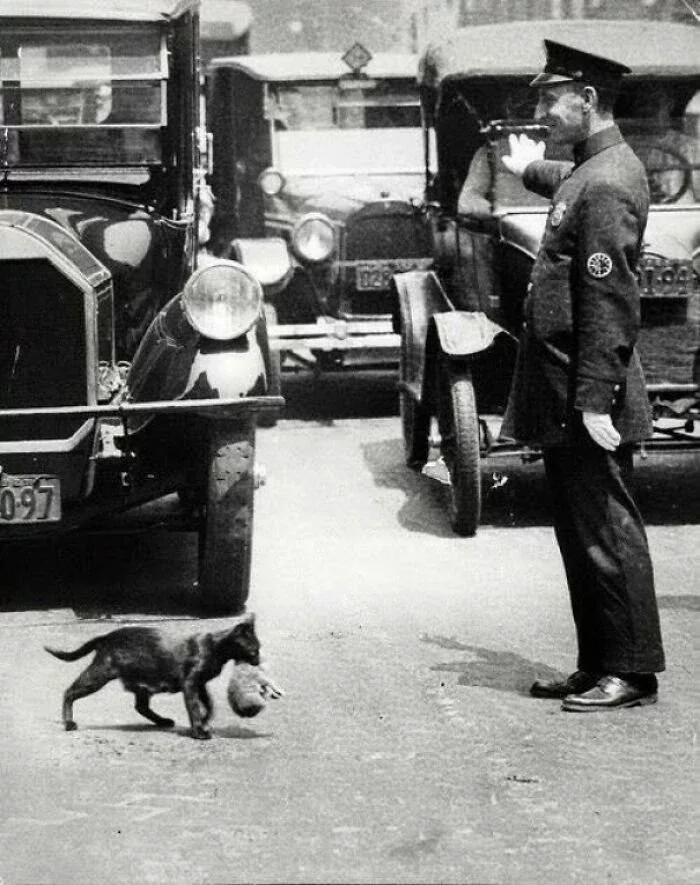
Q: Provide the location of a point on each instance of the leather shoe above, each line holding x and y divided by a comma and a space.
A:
613, 692
577, 683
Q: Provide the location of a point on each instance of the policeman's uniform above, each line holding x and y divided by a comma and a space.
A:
577, 353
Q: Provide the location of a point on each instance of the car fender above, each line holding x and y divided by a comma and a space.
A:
175, 362
418, 296
268, 259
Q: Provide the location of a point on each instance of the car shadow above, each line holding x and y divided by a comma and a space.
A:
514, 494
104, 576
339, 395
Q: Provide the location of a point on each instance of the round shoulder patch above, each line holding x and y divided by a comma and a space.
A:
599, 265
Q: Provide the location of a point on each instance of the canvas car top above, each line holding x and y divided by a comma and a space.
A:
517, 49
279, 67
110, 10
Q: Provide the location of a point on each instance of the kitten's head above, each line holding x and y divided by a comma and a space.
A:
242, 643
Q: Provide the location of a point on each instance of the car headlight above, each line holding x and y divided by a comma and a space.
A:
222, 300
271, 181
313, 239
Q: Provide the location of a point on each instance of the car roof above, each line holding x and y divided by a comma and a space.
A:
107, 10
308, 66
516, 48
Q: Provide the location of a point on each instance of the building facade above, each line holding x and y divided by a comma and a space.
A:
401, 25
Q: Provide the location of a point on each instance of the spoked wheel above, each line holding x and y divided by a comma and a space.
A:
415, 420
458, 422
226, 529
269, 417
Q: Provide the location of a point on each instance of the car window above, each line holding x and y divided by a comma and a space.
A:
380, 105
661, 122
81, 96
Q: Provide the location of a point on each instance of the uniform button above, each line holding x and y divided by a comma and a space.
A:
616, 388
563, 425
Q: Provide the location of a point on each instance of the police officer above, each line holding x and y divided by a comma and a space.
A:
578, 391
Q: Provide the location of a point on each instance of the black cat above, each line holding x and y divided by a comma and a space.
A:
148, 662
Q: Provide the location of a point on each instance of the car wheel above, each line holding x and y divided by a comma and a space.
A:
415, 420
458, 422
269, 417
226, 528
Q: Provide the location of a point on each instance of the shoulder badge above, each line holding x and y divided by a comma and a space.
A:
599, 265
558, 214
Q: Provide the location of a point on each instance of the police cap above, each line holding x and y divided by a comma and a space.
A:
565, 64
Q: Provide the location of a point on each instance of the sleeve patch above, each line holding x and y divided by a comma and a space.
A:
599, 265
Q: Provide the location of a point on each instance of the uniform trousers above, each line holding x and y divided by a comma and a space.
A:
605, 551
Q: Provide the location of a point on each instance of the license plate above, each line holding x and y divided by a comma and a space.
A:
27, 499
373, 276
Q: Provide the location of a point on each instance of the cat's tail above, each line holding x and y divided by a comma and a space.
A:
89, 646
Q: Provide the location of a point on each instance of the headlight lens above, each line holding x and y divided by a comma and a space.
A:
223, 300
271, 181
313, 238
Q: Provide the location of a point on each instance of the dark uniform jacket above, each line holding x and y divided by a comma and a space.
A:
582, 313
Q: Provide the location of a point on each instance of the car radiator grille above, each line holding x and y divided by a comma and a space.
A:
380, 240
42, 348
669, 340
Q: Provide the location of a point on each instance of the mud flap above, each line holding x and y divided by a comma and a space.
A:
463, 333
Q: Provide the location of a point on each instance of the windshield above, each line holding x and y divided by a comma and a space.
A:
660, 121
347, 127
81, 96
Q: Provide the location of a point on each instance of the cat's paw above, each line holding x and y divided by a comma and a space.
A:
70, 725
201, 734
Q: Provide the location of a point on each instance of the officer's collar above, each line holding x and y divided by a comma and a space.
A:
605, 138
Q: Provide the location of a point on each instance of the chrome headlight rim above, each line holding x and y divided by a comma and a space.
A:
241, 316
321, 220
271, 181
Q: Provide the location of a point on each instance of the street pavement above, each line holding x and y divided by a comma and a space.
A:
406, 748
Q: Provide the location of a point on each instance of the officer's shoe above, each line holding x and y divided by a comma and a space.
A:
614, 692
577, 683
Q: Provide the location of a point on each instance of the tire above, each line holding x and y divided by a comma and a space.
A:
226, 528
415, 428
269, 418
415, 420
459, 431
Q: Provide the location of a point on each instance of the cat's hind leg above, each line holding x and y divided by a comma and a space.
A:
143, 706
92, 679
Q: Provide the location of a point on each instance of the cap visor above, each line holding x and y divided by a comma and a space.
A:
545, 79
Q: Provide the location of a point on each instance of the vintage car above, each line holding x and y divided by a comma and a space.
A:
318, 177
459, 320
126, 371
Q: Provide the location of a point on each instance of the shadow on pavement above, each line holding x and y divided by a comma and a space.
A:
102, 576
514, 494
487, 668
339, 395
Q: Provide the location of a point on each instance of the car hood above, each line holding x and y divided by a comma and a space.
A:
341, 196
672, 232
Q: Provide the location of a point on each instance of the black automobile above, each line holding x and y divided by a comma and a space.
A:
127, 372
318, 178
459, 320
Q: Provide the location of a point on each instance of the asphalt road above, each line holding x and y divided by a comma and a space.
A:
406, 748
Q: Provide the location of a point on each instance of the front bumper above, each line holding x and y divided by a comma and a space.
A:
328, 334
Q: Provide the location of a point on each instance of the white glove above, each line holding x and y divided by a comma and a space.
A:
601, 430
523, 151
